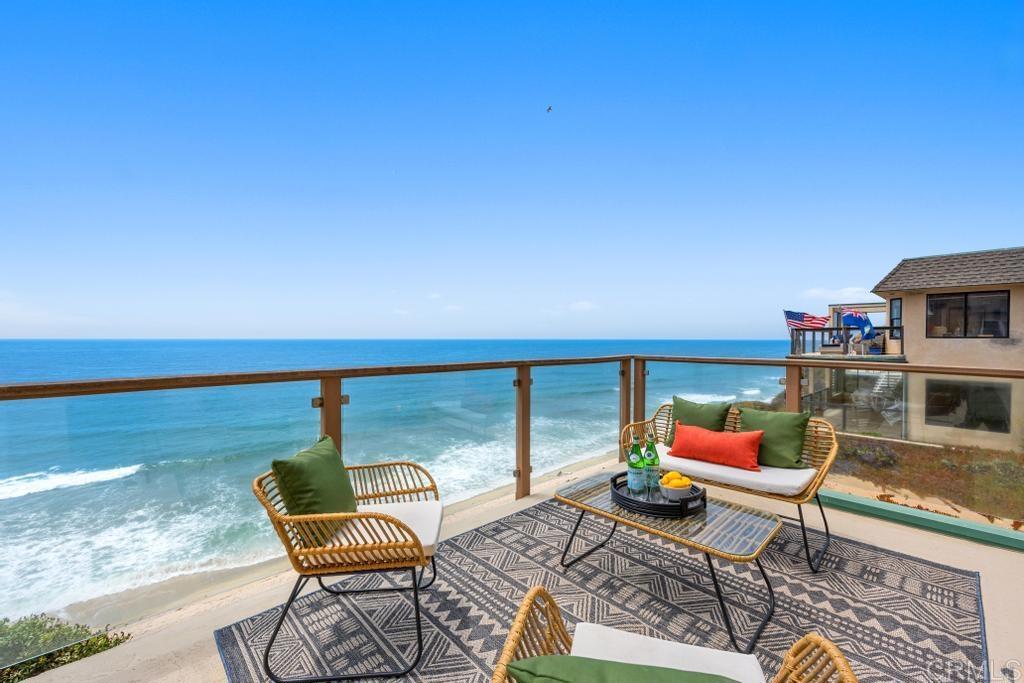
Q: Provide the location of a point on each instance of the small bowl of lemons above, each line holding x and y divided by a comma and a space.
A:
674, 486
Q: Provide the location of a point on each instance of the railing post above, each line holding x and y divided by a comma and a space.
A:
522, 472
793, 388
624, 401
330, 409
639, 389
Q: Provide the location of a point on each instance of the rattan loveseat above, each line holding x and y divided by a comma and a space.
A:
539, 629
819, 452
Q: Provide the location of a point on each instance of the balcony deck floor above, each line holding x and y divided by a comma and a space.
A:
178, 644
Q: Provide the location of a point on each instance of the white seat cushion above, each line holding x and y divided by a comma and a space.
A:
600, 642
781, 480
423, 517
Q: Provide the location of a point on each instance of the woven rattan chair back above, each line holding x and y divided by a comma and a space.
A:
539, 629
819, 439
814, 659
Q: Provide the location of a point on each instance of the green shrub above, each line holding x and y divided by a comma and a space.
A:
28, 636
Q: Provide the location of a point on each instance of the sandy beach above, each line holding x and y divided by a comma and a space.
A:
127, 608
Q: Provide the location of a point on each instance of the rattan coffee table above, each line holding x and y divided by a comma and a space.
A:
728, 531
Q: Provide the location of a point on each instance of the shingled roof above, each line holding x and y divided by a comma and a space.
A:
967, 269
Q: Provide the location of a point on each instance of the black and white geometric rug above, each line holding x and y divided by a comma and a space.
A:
897, 618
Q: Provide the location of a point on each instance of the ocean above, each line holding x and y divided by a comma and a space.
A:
99, 494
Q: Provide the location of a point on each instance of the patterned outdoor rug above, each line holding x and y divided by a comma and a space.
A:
897, 618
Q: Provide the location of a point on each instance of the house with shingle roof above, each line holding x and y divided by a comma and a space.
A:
951, 310
960, 310
963, 309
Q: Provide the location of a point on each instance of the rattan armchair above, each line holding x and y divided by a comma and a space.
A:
539, 629
819, 451
378, 537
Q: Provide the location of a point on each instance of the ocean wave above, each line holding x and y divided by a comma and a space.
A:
750, 392
121, 547
37, 482
466, 468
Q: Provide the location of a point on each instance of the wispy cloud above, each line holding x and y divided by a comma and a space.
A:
434, 296
401, 311
582, 306
840, 295
15, 315
452, 308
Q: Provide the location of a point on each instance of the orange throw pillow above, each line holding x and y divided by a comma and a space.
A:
735, 449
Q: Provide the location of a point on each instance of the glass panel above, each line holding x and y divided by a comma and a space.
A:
988, 314
113, 505
459, 425
968, 404
945, 315
943, 443
575, 411
756, 386
862, 401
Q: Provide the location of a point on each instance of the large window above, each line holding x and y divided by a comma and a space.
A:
895, 317
970, 314
968, 405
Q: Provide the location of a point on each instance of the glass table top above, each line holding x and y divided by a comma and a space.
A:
729, 530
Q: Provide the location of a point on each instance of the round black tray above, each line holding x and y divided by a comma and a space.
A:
653, 504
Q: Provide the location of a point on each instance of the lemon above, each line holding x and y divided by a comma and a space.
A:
677, 484
673, 475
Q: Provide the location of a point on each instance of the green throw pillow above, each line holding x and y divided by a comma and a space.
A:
571, 669
783, 440
315, 481
707, 415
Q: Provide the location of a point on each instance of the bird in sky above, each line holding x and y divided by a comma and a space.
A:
550, 109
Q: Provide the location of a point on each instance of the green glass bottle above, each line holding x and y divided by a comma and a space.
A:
636, 474
652, 465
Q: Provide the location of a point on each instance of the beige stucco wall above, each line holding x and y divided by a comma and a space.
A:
918, 430
991, 353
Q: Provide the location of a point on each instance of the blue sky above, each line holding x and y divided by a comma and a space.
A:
389, 170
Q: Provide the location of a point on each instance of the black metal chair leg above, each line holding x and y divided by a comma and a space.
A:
433, 574
814, 562
725, 612
572, 537
299, 584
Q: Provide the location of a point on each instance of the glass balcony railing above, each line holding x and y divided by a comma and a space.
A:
112, 503
574, 416
105, 494
757, 386
944, 443
460, 425
128, 494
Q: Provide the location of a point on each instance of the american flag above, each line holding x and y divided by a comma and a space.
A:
805, 321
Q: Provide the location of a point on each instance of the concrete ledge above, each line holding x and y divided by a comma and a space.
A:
989, 534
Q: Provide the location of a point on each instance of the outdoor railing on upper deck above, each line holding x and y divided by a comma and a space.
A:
888, 340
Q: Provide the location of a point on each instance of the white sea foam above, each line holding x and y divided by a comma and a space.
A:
163, 544
750, 392
37, 482
223, 530
466, 468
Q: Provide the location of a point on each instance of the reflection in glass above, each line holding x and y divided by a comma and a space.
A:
968, 405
